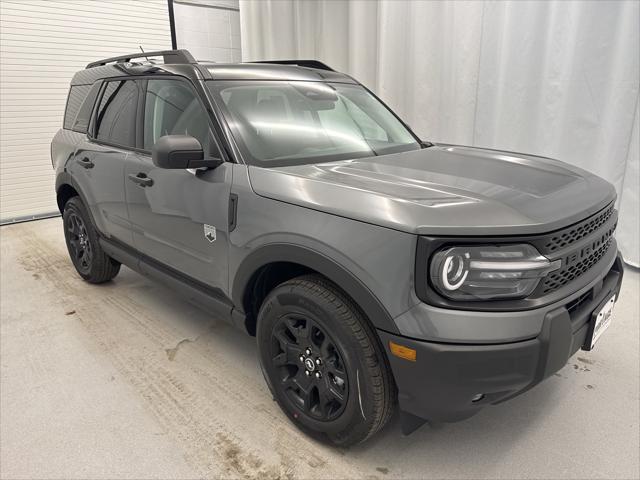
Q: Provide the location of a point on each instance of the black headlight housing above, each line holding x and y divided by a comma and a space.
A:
430, 292
488, 272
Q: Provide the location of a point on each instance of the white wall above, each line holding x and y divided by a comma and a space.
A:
557, 79
42, 44
209, 29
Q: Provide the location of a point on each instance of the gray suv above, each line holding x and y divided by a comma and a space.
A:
373, 268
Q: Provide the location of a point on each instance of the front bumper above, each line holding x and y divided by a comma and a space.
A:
441, 384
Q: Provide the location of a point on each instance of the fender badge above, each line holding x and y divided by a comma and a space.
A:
210, 233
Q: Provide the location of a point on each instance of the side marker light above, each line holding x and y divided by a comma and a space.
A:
403, 352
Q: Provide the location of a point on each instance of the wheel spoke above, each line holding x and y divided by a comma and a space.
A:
324, 348
307, 399
334, 392
324, 400
305, 390
334, 367
293, 353
73, 243
289, 383
329, 396
289, 345
288, 353
283, 340
299, 327
280, 360
303, 381
302, 387
85, 257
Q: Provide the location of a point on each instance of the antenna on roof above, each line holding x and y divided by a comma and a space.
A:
141, 49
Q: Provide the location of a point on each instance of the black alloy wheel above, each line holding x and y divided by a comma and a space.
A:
323, 361
88, 257
79, 244
310, 366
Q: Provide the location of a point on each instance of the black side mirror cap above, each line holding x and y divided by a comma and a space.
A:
181, 152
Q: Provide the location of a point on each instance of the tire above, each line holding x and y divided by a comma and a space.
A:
346, 396
88, 257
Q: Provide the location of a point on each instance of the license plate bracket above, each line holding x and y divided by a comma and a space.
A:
600, 321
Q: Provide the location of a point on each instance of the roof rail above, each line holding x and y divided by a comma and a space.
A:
301, 63
169, 56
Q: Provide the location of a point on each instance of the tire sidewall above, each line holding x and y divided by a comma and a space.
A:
285, 299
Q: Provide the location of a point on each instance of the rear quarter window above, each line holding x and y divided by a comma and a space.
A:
77, 94
81, 122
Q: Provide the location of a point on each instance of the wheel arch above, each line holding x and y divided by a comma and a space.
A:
66, 188
64, 193
285, 261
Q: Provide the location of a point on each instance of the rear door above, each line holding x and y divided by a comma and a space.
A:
179, 217
98, 166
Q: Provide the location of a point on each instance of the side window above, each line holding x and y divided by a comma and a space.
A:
81, 122
77, 94
172, 108
116, 117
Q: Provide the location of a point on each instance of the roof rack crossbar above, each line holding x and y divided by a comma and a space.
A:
301, 63
169, 57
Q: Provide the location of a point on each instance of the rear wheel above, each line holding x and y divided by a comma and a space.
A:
322, 361
88, 257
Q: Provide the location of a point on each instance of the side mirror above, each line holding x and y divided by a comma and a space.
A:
180, 152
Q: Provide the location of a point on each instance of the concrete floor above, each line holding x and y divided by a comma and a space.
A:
126, 380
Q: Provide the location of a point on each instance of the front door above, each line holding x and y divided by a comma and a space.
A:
179, 217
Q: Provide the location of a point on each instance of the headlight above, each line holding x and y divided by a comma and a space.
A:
488, 272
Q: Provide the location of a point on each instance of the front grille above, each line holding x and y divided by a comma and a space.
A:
576, 232
572, 270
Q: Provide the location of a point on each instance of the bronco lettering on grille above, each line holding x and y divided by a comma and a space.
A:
588, 250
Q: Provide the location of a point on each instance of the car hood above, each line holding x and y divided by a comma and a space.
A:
444, 189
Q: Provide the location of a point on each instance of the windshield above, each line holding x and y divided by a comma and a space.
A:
291, 123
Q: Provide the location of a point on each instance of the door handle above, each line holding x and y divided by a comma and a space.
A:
141, 179
85, 162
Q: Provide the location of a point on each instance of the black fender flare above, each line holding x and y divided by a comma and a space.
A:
343, 278
65, 178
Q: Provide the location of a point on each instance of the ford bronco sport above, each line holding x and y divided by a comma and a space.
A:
374, 268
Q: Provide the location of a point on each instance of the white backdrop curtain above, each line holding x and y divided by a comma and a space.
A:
558, 79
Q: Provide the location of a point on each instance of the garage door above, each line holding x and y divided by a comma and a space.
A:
42, 44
